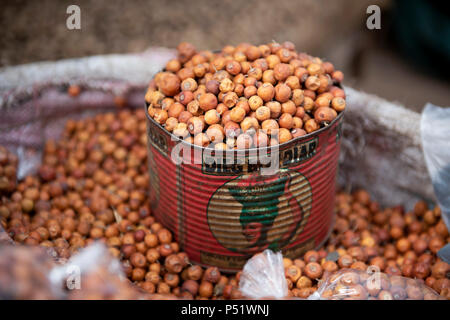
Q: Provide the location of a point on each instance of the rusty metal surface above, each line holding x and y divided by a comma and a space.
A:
221, 217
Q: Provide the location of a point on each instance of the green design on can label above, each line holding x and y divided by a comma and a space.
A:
252, 212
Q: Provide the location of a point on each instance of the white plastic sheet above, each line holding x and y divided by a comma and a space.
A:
263, 276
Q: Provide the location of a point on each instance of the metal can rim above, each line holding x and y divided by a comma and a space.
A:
297, 139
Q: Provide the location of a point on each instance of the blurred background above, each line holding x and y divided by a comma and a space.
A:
407, 60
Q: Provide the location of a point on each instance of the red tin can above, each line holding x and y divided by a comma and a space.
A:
223, 212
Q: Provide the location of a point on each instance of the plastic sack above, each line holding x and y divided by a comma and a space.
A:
35, 103
435, 134
263, 276
352, 284
24, 274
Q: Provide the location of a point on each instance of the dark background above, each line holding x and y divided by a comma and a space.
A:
383, 62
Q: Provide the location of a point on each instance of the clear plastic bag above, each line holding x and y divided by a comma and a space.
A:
263, 276
29, 272
435, 134
352, 284
24, 274
94, 274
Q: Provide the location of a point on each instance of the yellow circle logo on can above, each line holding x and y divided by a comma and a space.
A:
253, 212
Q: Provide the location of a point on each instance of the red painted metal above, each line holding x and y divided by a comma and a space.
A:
222, 217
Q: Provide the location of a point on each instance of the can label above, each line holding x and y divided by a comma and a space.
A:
259, 223
254, 161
